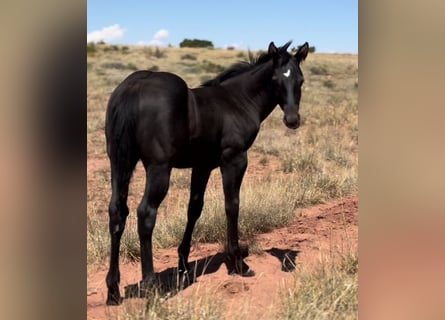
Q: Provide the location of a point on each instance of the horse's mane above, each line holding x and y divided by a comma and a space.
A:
242, 67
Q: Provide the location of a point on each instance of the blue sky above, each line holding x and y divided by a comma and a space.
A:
330, 26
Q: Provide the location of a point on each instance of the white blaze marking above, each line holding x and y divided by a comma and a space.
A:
287, 73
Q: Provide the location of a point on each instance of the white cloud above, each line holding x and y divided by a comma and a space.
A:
159, 39
106, 34
161, 35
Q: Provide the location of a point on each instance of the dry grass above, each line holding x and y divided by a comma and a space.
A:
328, 292
293, 168
200, 305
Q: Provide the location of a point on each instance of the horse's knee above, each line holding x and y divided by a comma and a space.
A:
146, 219
118, 213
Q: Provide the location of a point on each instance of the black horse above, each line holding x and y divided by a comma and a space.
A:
154, 117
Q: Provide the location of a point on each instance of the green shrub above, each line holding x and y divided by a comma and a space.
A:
195, 43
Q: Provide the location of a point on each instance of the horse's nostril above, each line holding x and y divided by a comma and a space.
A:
292, 121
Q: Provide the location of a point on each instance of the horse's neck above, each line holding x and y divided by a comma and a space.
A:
255, 91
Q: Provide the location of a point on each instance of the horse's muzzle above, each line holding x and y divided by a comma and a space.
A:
292, 121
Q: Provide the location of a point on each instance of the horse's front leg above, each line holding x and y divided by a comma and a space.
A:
233, 168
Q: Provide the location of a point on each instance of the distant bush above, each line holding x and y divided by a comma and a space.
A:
111, 48
211, 67
119, 66
240, 55
311, 49
195, 43
91, 49
153, 68
318, 70
157, 53
114, 65
329, 84
132, 66
188, 57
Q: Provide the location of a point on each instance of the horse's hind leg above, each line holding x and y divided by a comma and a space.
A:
200, 176
157, 183
118, 212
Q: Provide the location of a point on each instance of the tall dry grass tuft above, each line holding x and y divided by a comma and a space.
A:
97, 241
265, 204
330, 291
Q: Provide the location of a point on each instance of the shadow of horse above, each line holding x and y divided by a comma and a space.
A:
169, 282
286, 257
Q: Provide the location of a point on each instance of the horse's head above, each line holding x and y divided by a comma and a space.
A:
288, 79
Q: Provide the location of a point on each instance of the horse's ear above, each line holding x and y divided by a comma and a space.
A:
284, 48
272, 49
302, 52
273, 52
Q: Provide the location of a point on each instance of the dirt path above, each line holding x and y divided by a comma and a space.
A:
321, 232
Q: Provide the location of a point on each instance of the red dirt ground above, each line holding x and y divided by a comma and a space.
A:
321, 232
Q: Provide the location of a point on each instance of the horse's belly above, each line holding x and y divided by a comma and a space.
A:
197, 155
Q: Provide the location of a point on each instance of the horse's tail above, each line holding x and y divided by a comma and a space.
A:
120, 128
